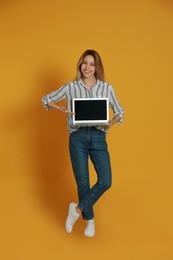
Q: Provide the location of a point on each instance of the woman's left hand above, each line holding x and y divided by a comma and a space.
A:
113, 121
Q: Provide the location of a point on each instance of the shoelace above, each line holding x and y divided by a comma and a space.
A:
73, 220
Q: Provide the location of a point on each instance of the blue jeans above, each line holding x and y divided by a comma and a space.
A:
84, 143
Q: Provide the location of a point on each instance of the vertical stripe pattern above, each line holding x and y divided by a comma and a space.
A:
76, 89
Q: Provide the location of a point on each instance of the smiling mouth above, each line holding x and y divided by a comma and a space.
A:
87, 72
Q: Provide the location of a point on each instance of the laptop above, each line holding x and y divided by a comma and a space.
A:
90, 111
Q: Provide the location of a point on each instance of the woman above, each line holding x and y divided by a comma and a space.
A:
85, 142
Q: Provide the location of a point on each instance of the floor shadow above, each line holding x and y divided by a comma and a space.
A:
45, 144
54, 176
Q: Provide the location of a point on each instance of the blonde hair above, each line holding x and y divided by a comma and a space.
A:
99, 73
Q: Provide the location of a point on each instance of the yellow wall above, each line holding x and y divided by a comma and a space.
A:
40, 43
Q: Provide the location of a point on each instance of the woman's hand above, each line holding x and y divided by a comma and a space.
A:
113, 121
64, 110
60, 108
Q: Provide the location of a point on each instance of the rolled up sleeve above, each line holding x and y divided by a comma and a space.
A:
54, 96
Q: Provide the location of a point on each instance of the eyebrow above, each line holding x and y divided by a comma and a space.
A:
89, 61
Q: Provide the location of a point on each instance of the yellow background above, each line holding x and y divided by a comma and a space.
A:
40, 43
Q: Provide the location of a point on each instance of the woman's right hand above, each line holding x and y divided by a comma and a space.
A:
64, 110
60, 108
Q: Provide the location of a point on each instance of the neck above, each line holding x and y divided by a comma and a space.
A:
89, 81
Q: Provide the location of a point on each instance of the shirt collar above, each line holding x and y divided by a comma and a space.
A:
81, 83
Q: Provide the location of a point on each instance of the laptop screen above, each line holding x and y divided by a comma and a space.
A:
91, 111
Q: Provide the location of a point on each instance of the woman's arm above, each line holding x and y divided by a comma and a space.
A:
117, 109
114, 120
60, 108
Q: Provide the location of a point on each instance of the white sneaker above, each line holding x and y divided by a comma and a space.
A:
90, 228
72, 217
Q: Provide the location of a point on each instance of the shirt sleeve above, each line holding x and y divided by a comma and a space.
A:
114, 104
54, 96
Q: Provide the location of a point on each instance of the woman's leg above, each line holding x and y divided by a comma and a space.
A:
79, 153
101, 160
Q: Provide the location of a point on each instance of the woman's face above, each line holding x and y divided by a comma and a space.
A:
88, 66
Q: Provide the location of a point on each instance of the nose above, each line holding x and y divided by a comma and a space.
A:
87, 66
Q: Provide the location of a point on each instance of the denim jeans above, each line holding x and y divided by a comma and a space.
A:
84, 143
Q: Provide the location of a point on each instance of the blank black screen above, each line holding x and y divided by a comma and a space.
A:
90, 110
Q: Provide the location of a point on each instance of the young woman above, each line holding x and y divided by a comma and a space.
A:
85, 142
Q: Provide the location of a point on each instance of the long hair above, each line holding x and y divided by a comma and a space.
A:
99, 73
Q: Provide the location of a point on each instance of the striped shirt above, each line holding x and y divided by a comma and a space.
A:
76, 89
